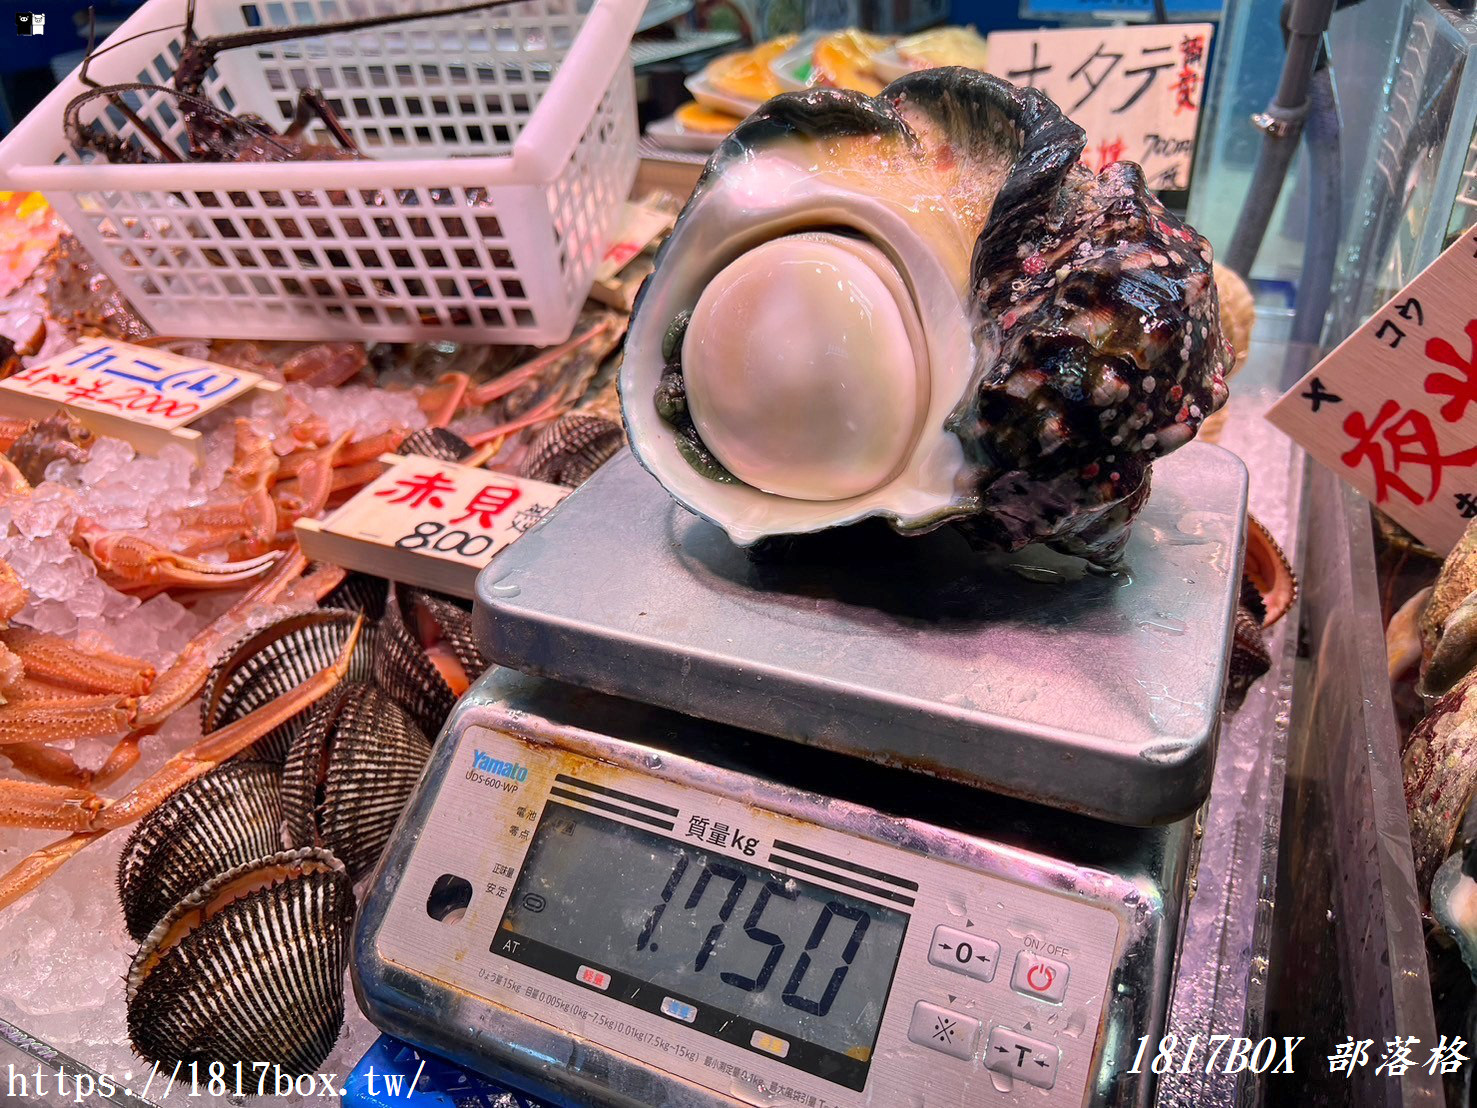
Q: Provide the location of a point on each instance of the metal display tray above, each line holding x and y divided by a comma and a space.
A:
1021, 673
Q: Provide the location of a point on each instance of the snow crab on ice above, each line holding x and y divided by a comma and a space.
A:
62, 692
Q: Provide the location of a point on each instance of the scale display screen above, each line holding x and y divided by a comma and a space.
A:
739, 952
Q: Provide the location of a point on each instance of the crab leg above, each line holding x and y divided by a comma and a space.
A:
130, 563
90, 816
547, 410
12, 429
79, 717
53, 659
37, 867
182, 680
13, 595
310, 489
444, 399
507, 382
48, 764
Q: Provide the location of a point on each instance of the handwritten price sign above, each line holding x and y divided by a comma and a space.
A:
429, 523
1393, 410
136, 393
1136, 91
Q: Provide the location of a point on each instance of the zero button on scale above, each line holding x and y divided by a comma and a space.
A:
954, 1033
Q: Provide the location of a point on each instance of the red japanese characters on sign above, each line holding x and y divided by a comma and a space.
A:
1135, 90
429, 522
1393, 410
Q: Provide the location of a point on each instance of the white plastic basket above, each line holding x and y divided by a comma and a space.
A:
417, 244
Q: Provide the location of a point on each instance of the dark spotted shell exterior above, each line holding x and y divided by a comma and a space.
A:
261, 980
230, 816
1093, 310
273, 661
350, 772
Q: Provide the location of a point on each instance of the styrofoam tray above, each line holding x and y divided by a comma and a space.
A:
792, 68
671, 134
710, 96
889, 65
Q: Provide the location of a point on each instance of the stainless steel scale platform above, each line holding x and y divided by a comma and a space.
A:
871, 821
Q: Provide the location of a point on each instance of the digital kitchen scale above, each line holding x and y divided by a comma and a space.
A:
877, 821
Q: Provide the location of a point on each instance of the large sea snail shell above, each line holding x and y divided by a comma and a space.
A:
921, 306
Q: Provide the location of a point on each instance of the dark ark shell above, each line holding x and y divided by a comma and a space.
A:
572, 448
350, 772
1072, 324
436, 442
230, 816
272, 662
248, 968
359, 592
404, 669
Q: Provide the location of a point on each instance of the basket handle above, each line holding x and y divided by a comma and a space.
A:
600, 48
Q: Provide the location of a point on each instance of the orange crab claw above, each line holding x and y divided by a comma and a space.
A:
132, 564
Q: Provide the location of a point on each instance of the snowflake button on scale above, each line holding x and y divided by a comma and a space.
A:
1393, 409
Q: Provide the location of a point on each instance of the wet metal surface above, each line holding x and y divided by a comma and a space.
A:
1017, 673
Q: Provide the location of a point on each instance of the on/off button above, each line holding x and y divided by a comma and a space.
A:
1039, 977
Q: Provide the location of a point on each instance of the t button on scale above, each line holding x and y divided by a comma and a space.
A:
1039, 977
1031, 1061
939, 1028
962, 952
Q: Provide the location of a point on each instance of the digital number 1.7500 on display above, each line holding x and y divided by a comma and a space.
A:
736, 951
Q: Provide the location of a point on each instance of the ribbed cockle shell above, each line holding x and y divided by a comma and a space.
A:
404, 668
231, 816
248, 968
350, 772
273, 661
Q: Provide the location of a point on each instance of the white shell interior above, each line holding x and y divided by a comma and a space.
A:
922, 236
806, 367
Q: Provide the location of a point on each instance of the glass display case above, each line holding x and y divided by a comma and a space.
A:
1418, 181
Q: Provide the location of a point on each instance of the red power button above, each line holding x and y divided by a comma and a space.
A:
1042, 978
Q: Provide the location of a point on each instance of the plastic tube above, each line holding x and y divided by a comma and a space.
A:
1321, 135
1305, 22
